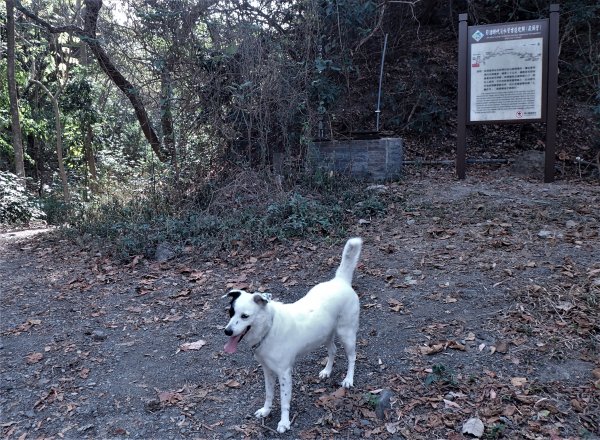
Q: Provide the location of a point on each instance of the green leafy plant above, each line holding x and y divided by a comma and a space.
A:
441, 374
16, 204
371, 400
496, 431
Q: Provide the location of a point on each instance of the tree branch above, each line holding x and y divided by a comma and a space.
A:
88, 34
51, 28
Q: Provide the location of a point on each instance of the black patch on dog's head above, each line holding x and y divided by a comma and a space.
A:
234, 294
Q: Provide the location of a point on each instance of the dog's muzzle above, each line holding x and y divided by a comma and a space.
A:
231, 345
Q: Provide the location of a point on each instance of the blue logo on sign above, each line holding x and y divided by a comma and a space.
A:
477, 35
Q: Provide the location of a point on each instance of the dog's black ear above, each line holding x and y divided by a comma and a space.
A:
233, 294
259, 299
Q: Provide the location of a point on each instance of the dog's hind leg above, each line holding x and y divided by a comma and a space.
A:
269, 393
348, 338
331, 349
285, 385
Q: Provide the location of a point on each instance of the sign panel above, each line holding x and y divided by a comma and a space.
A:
507, 73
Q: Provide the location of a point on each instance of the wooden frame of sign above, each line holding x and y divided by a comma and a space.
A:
508, 74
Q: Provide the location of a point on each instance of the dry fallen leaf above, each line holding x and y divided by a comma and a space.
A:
565, 305
441, 346
173, 318
577, 406
193, 345
436, 348
395, 305
392, 427
518, 381
232, 383
181, 294
332, 399
474, 427
456, 346
339, 393
502, 347
34, 358
450, 404
169, 397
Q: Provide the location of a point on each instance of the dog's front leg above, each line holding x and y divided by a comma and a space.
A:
285, 385
269, 393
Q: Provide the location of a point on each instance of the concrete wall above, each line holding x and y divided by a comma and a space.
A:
373, 159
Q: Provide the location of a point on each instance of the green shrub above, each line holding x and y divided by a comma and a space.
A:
248, 208
17, 206
57, 211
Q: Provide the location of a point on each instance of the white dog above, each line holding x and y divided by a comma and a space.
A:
279, 332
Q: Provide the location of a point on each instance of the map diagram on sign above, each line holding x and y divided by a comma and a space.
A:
506, 80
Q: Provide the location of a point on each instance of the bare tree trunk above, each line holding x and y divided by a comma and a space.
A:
38, 156
166, 114
17, 137
88, 135
59, 155
89, 157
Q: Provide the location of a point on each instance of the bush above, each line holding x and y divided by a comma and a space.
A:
249, 208
57, 211
16, 205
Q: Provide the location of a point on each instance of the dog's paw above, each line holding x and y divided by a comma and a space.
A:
263, 412
283, 426
324, 374
348, 383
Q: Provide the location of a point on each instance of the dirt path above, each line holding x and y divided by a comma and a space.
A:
480, 299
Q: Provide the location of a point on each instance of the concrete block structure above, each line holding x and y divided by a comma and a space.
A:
371, 159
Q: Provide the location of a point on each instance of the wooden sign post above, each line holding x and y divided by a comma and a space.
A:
508, 73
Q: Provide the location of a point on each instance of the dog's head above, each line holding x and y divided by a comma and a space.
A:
244, 310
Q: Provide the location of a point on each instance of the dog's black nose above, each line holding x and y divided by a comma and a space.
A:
228, 331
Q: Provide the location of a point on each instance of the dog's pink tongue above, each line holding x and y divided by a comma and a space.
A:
231, 345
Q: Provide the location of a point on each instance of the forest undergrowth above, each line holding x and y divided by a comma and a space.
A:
243, 208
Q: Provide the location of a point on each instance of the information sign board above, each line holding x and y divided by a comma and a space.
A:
507, 73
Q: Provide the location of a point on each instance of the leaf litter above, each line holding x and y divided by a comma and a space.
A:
467, 313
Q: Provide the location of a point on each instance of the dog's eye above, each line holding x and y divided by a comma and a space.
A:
244, 316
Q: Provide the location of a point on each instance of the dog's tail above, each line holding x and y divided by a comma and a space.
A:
349, 259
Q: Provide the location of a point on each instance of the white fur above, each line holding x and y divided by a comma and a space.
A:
280, 332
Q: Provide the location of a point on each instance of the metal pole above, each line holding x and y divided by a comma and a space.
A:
552, 94
451, 162
378, 111
461, 131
